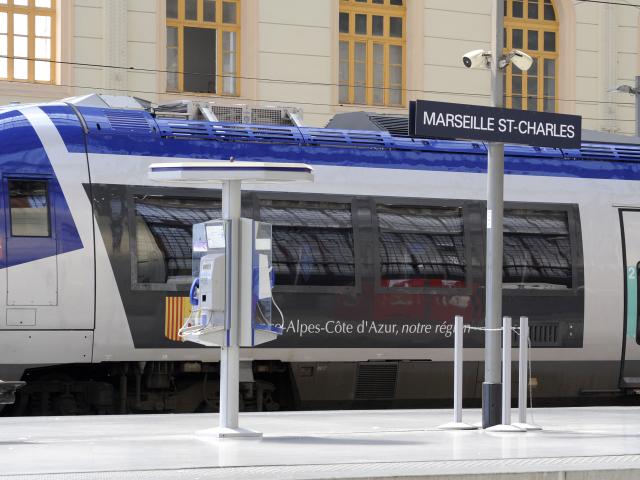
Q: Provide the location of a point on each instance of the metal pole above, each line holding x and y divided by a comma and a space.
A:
637, 95
523, 377
495, 186
230, 354
506, 425
506, 371
457, 369
458, 359
523, 362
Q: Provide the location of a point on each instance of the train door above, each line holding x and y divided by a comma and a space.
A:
30, 228
630, 363
48, 270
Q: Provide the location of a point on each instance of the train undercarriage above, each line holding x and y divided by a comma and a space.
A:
140, 387
191, 387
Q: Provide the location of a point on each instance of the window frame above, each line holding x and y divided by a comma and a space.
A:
424, 203
180, 23
50, 210
31, 11
369, 9
541, 26
357, 236
575, 239
131, 195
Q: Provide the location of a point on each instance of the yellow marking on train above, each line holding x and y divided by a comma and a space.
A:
177, 310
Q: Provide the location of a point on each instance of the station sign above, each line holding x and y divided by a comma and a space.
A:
429, 119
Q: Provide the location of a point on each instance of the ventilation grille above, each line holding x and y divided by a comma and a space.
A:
597, 152
272, 134
270, 116
230, 132
396, 126
376, 381
237, 113
627, 152
197, 129
128, 121
227, 114
185, 129
544, 335
347, 138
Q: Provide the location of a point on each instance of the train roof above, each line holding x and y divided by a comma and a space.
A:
134, 127
398, 125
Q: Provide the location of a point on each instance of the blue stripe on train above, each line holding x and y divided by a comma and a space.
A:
358, 157
23, 156
122, 133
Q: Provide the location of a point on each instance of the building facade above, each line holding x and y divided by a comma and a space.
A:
321, 56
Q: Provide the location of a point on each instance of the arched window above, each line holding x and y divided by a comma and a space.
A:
532, 26
203, 46
27, 40
372, 52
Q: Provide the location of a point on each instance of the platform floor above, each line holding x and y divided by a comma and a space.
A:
576, 444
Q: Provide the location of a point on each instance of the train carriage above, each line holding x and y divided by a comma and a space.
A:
372, 262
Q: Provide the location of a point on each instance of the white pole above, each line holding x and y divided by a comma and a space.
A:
506, 426
457, 369
506, 371
523, 356
458, 359
523, 376
230, 354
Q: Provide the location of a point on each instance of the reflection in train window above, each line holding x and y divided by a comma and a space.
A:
537, 249
421, 247
29, 204
312, 242
163, 236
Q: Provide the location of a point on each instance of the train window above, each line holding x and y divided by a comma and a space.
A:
537, 250
163, 236
312, 242
29, 204
421, 247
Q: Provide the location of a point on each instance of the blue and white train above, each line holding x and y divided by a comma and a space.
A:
372, 262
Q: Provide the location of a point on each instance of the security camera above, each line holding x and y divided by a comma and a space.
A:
521, 60
475, 59
624, 89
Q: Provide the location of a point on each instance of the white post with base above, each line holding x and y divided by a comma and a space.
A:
506, 426
230, 353
523, 377
458, 360
231, 174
